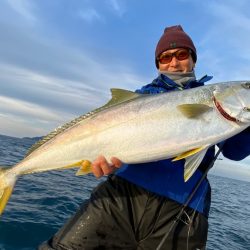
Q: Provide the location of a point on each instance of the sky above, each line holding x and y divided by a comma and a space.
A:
59, 58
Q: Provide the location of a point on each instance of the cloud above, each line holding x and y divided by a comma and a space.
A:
19, 127
117, 6
225, 43
232, 169
90, 15
24, 8
44, 83
225, 12
43, 97
19, 107
97, 12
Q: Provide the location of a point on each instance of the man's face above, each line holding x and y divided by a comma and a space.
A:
177, 65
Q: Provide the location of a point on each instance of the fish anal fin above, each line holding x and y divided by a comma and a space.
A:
85, 168
193, 110
192, 163
189, 153
83, 165
73, 165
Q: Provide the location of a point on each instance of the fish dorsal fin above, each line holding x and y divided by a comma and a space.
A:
118, 96
193, 110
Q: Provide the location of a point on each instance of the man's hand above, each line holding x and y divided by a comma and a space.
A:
102, 167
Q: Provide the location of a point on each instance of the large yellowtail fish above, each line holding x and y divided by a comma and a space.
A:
140, 128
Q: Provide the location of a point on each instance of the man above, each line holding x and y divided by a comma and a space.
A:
138, 204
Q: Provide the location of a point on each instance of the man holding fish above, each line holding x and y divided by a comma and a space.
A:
138, 203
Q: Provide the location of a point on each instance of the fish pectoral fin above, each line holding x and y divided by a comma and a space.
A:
193, 110
192, 163
189, 153
85, 168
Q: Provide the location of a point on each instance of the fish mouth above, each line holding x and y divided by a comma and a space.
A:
223, 112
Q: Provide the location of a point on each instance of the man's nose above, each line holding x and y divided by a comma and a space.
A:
174, 61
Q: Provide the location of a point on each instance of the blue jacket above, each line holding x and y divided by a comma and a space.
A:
166, 177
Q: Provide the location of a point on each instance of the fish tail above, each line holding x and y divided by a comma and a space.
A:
7, 183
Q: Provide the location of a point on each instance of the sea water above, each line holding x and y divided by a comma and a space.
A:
42, 203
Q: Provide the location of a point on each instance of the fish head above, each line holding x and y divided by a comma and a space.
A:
233, 101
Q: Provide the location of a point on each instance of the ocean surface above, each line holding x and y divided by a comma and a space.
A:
41, 203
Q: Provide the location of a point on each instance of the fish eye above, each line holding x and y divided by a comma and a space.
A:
246, 85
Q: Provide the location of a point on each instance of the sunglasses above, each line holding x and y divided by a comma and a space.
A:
181, 54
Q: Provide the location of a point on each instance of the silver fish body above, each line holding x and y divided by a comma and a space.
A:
143, 128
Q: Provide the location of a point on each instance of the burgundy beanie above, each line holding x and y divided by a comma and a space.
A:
174, 37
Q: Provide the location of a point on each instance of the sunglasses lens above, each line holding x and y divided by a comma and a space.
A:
165, 58
182, 54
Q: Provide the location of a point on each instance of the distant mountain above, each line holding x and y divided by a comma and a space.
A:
6, 137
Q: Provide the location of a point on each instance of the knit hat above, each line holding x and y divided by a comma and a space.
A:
174, 37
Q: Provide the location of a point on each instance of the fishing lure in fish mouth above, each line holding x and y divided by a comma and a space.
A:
238, 119
223, 112
231, 102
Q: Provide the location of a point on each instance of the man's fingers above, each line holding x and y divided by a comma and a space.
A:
107, 168
96, 166
116, 162
101, 166
97, 171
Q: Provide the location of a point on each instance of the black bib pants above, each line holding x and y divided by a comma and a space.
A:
121, 215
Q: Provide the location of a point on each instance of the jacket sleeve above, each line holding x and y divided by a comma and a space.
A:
237, 147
